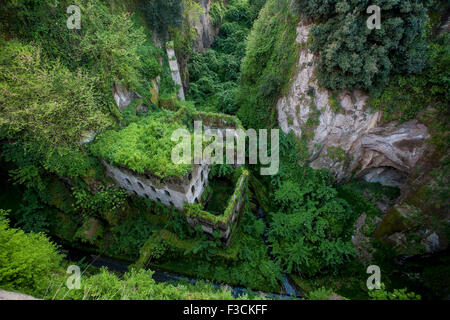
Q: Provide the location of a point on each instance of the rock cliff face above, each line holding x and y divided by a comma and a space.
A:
205, 29
122, 96
343, 135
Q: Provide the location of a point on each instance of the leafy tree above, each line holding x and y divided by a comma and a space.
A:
353, 57
268, 63
59, 104
48, 108
311, 231
214, 74
160, 14
27, 260
407, 95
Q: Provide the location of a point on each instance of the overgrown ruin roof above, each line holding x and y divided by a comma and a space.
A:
143, 146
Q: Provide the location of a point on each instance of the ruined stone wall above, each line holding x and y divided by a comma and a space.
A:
172, 193
175, 70
225, 223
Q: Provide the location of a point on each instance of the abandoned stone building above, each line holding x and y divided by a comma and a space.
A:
180, 191
177, 191
174, 192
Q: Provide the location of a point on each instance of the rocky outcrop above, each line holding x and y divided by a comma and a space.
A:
343, 135
205, 30
7, 295
419, 222
122, 96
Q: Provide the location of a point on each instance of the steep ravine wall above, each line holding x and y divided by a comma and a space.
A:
343, 135
205, 29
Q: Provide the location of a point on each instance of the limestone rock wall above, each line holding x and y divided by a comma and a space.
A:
122, 96
343, 134
205, 30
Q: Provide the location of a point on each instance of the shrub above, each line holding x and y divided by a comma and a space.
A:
397, 294
27, 260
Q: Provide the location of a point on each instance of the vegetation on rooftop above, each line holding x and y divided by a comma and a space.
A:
143, 146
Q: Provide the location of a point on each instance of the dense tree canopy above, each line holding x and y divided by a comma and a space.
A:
312, 229
351, 56
27, 260
160, 14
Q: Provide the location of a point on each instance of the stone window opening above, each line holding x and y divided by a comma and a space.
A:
167, 193
171, 203
141, 185
128, 181
201, 175
193, 189
190, 176
158, 199
153, 188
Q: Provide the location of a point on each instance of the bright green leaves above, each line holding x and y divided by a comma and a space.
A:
311, 230
143, 146
27, 260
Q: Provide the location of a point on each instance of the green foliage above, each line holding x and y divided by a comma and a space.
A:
221, 191
221, 170
268, 63
59, 105
109, 45
58, 88
320, 294
245, 262
129, 114
105, 200
217, 12
407, 96
311, 231
214, 74
143, 146
254, 268
27, 260
139, 285
34, 217
351, 56
128, 237
397, 294
161, 14
336, 153
178, 223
